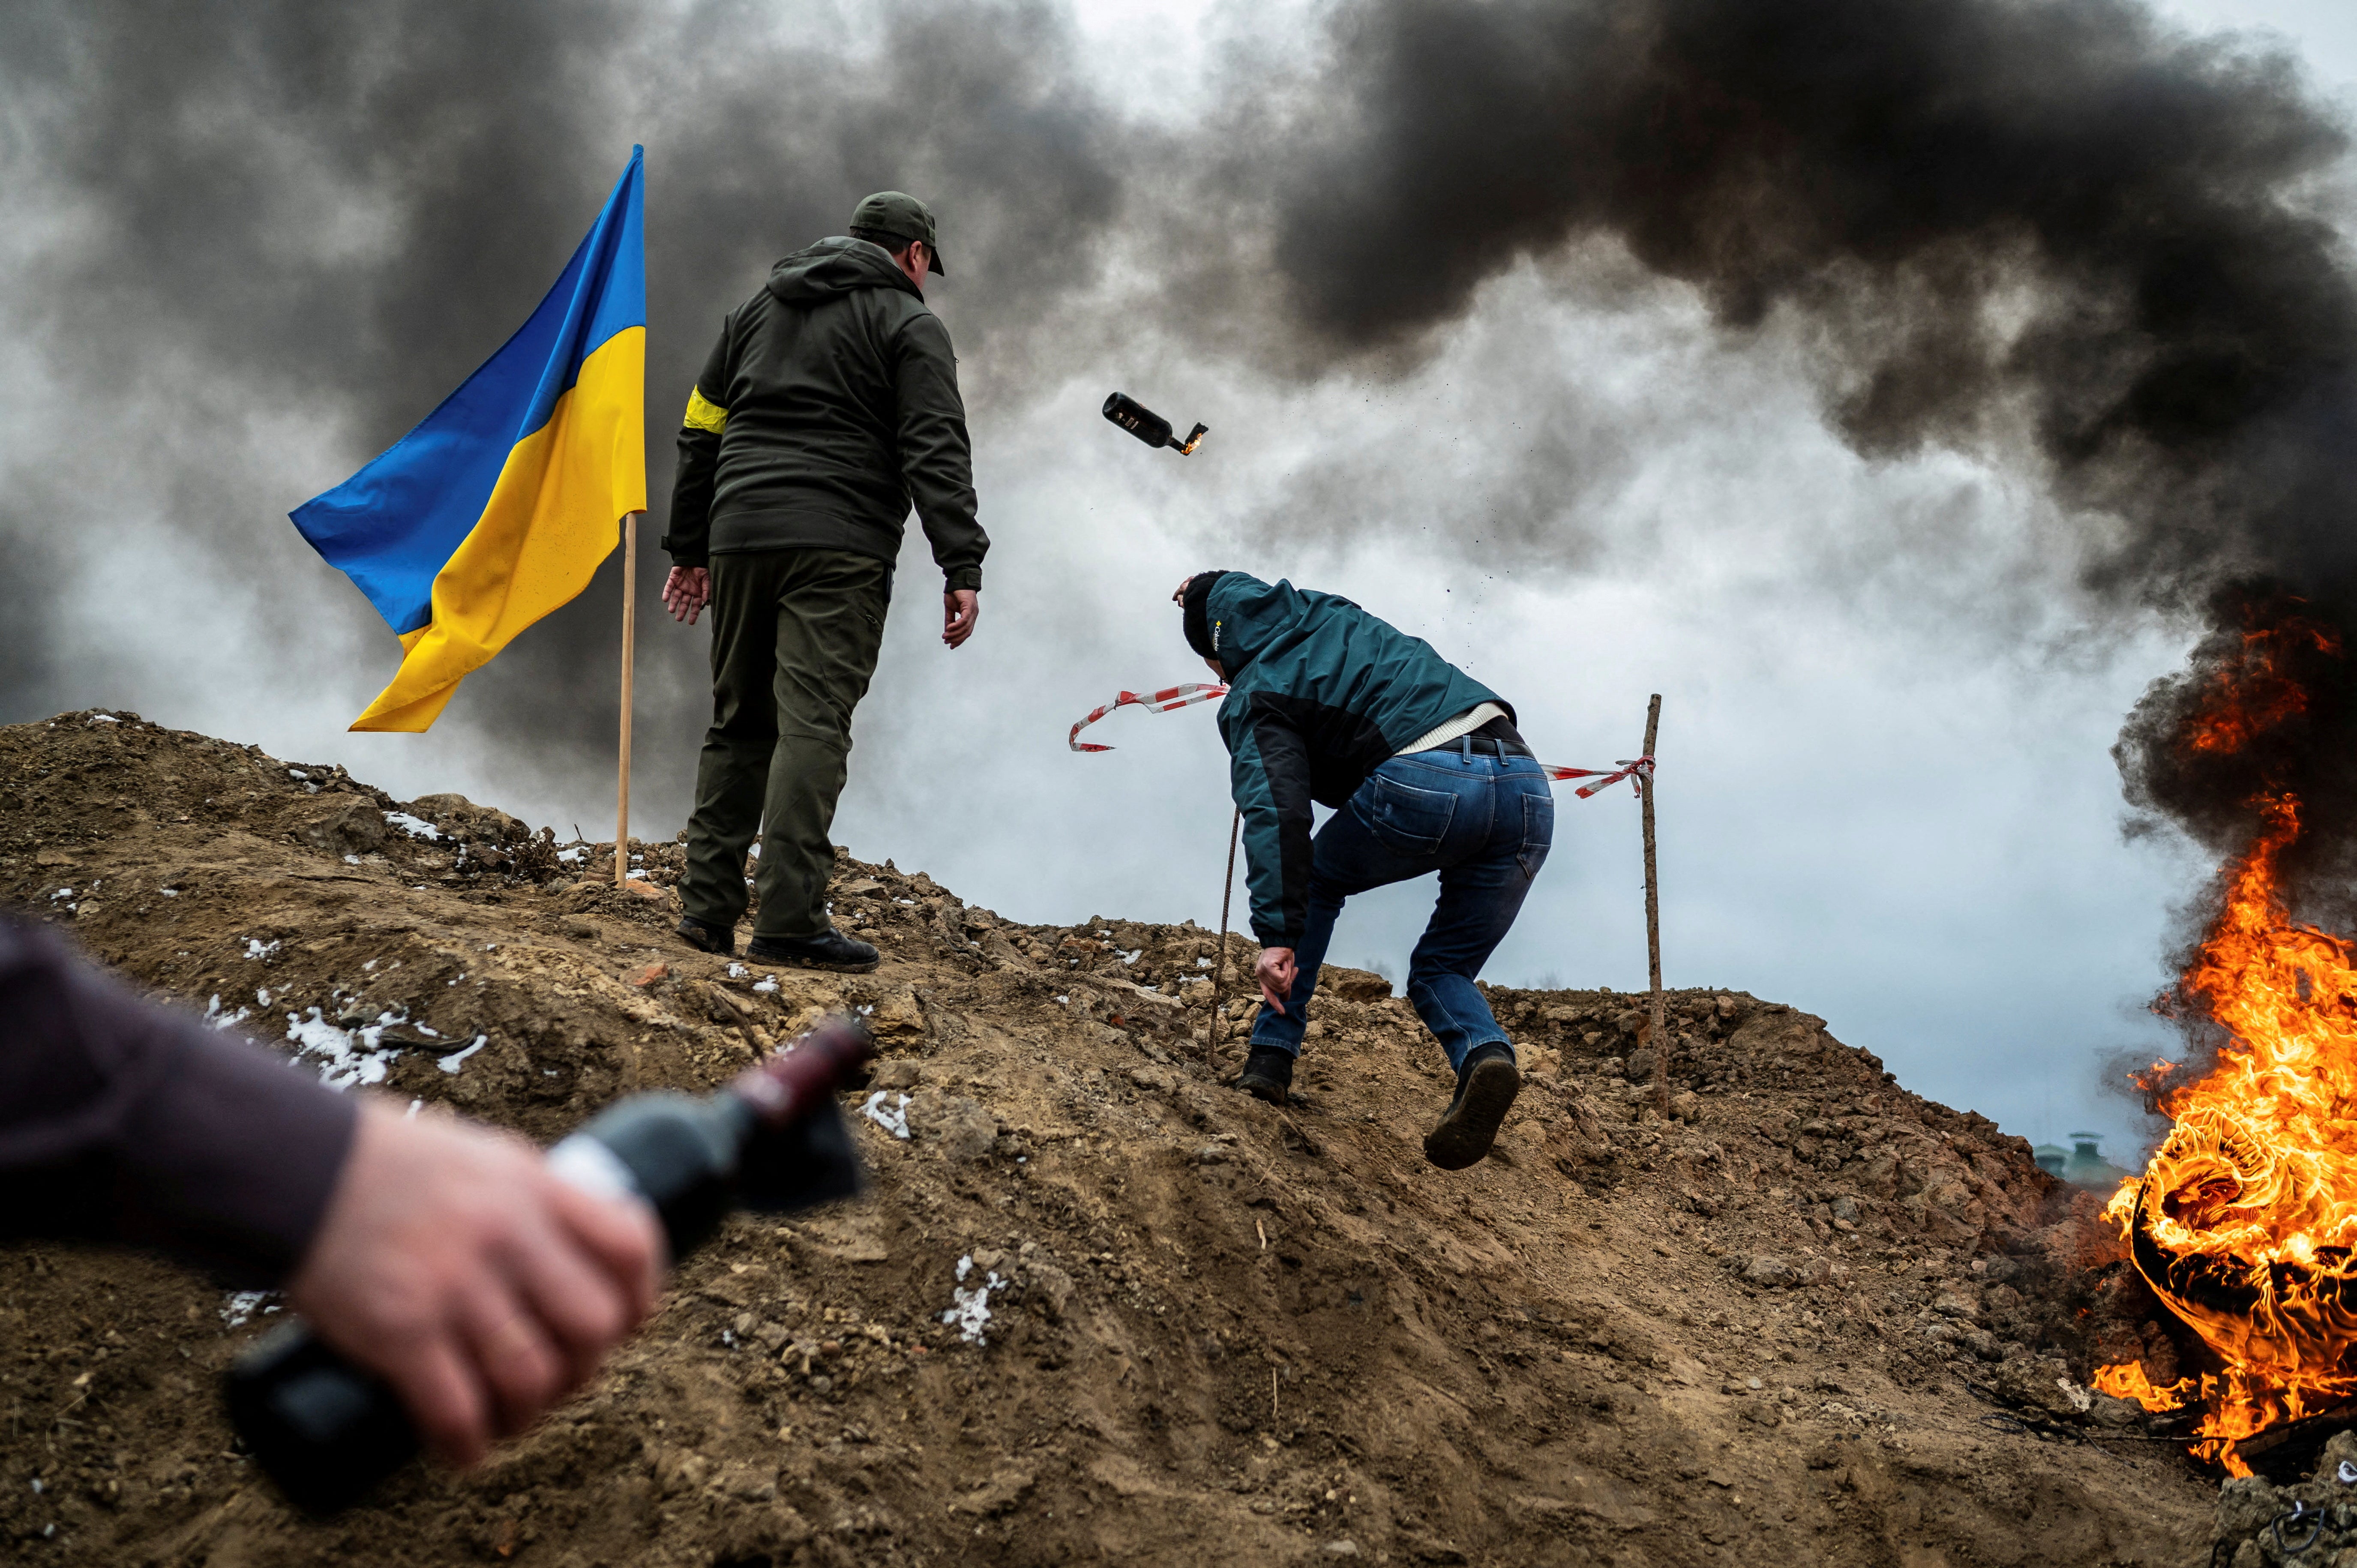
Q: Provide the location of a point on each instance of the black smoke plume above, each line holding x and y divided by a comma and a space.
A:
2054, 232
2048, 228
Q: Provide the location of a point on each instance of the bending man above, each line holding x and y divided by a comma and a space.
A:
1426, 772
829, 403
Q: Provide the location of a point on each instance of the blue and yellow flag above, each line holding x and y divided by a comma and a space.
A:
502, 503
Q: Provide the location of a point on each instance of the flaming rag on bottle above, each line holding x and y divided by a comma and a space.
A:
1149, 427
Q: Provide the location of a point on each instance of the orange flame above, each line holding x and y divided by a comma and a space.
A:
2245, 1220
2126, 1380
2253, 694
2252, 1198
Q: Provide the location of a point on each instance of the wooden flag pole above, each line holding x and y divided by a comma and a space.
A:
1219, 965
630, 651
1661, 1032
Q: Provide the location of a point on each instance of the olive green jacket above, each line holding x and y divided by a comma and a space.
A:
828, 406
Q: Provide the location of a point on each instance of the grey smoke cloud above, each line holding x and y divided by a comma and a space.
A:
336, 212
2057, 222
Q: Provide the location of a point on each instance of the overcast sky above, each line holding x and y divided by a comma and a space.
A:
1886, 792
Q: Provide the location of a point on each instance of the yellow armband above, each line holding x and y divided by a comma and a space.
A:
703, 413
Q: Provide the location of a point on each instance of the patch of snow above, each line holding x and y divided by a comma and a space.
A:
635, 875
61, 893
169, 892
255, 948
912, 903
767, 985
1131, 957
1202, 963
218, 1019
297, 773
457, 1059
263, 996
346, 1056
370, 965
971, 1312
1065, 1000
573, 856
240, 1306
416, 827
893, 1119
351, 860
104, 719
737, 970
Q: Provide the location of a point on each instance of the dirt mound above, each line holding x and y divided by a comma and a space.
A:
1097, 1307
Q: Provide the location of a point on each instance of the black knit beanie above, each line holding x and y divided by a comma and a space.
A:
1197, 619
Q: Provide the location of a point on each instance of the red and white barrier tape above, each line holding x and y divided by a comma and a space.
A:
1634, 770
1160, 702
1637, 770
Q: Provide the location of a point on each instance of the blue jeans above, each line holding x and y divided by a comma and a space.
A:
1485, 825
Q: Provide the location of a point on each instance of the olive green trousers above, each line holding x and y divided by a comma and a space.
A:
794, 638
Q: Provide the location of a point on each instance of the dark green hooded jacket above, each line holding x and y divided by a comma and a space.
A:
1320, 694
829, 404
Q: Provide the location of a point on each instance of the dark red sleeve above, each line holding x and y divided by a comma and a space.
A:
120, 1120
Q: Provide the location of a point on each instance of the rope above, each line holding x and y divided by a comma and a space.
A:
1639, 770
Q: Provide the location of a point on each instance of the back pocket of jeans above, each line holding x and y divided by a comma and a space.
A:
1405, 818
1538, 832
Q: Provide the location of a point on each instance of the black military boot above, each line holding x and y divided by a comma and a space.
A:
707, 939
1486, 1087
1267, 1075
830, 949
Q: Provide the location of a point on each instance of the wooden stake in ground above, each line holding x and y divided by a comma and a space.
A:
1219, 965
1661, 1031
630, 651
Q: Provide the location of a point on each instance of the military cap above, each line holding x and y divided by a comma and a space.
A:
903, 217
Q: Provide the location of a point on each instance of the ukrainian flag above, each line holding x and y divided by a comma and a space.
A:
502, 503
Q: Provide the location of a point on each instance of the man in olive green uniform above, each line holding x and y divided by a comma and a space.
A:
828, 406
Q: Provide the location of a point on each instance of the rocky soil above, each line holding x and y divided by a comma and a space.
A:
1097, 1307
